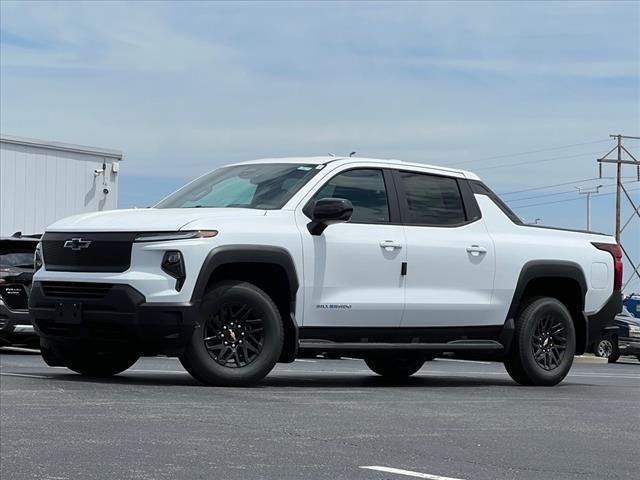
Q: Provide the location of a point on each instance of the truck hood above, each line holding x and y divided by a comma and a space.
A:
146, 220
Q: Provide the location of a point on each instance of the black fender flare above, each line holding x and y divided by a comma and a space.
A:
245, 254
540, 269
227, 254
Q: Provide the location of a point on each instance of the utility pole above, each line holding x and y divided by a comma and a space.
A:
620, 188
588, 193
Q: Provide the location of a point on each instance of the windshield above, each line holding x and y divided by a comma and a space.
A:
18, 260
262, 186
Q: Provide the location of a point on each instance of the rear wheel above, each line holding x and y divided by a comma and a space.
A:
239, 337
544, 344
395, 366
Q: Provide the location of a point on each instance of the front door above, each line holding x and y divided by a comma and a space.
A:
352, 271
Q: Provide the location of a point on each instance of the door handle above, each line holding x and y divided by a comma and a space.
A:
390, 245
476, 250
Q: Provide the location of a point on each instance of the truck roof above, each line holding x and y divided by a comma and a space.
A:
323, 160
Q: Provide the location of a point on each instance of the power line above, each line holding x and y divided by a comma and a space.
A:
542, 160
518, 154
548, 195
570, 199
558, 193
544, 187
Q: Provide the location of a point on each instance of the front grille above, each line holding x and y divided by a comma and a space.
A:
87, 252
79, 290
14, 296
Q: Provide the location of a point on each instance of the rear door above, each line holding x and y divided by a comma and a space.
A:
450, 255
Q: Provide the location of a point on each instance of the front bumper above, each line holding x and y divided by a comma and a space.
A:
628, 346
15, 325
115, 316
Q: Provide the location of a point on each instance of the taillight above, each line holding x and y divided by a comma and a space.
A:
616, 252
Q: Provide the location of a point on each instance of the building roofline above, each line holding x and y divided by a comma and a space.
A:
65, 147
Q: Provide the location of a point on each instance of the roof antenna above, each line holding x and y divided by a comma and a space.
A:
331, 154
352, 154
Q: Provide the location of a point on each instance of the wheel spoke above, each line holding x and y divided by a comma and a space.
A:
223, 355
243, 313
251, 347
236, 358
217, 346
245, 352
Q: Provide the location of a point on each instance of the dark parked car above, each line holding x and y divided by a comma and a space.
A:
16, 272
622, 337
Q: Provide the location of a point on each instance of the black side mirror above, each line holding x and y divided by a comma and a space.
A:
328, 211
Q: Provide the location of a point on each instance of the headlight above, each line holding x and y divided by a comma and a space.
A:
634, 331
170, 236
37, 258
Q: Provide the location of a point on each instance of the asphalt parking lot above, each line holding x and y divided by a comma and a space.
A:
318, 419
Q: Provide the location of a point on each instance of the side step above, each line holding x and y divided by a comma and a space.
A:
454, 346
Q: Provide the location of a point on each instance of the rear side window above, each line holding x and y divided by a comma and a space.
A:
365, 188
432, 200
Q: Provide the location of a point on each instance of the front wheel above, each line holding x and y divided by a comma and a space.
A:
544, 344
98, 364
395, 367
239, 337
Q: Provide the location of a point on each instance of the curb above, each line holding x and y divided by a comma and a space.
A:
590, 359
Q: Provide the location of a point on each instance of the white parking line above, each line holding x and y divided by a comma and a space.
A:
302, 360
461, 361
19, 349
22, 375
409, 473
134, 370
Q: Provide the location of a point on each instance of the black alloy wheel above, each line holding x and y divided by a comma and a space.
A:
549, 341
544, 343
234, 335
239, 337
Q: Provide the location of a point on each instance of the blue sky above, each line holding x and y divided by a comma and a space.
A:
185, 87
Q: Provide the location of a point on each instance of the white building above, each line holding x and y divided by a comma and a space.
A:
41, 182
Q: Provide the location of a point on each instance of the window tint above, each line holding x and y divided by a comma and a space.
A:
366, 191
432, 200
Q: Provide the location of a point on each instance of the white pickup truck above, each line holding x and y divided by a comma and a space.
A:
260, 262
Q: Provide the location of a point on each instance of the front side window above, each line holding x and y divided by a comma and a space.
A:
263, 186
365, 189
432, 200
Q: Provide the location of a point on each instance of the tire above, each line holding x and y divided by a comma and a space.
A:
544, 344
615, 355
607, 347
97, 364
395, 367
51, 358
245, 317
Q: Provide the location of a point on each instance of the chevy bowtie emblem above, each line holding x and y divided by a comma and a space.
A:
77, 244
